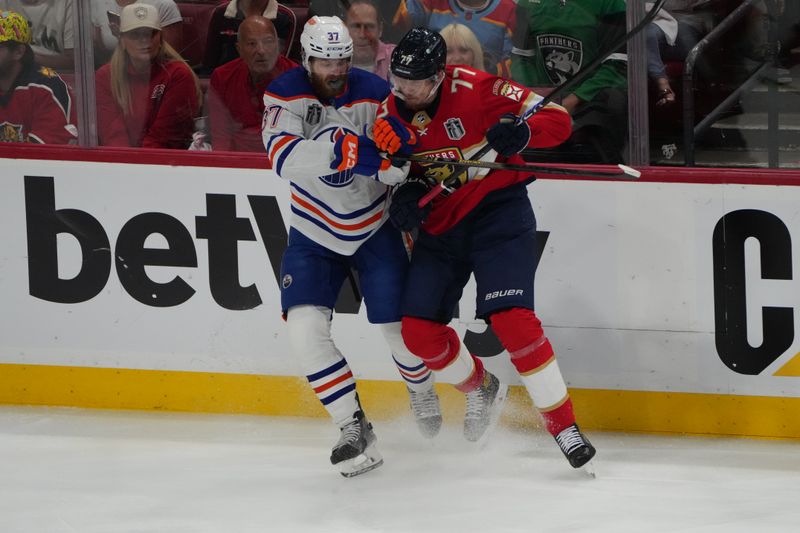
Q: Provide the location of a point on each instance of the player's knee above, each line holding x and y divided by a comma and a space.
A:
309, 328
516, 327
424, 338
521, 334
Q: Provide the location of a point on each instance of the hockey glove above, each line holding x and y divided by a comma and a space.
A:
394, 175
404, 212
393, 137
507, 137
358, 154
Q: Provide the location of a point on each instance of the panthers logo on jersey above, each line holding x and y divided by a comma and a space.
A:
453, 176
11, 133
562, 56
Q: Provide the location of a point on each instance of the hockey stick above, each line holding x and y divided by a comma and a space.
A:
579, 78
444, 185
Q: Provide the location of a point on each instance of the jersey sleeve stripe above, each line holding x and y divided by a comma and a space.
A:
284, 154
285, 139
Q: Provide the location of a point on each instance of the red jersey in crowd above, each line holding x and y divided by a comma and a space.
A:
454, 127
38, 109
236, 106
164, 103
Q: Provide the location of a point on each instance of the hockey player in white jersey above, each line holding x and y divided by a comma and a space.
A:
314, 130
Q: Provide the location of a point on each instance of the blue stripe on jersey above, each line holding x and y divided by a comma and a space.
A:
330, 370
284, 154
359, 237
274, 137
345, 216
338, 394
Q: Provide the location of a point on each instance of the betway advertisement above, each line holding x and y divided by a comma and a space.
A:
641, 286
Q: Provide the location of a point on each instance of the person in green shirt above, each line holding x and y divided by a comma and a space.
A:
553, 40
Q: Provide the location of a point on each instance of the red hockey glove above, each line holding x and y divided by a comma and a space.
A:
359, 154
404, 212
507, 137
392, 136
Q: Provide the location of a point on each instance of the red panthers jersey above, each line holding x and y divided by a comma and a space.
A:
38, 109
454, 127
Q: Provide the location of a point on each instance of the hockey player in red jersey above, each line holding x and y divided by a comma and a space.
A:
485, 227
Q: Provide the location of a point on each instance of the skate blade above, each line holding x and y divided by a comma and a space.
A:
494, 418
361, 464
588, 470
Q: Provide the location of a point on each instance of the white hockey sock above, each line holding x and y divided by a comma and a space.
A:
546, 386
325, 368
412, 369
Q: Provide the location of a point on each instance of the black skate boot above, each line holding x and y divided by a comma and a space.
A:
425, 407
483, 407
355, 453
576, 448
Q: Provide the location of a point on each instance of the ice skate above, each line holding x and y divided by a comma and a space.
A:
576, 448
355, 452
483, 408
425, 406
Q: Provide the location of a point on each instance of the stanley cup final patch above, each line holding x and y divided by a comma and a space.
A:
454, 128
314, 114
562, 56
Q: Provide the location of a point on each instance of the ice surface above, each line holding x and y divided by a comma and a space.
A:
65, 470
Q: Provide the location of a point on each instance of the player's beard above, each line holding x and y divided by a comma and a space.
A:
329, 86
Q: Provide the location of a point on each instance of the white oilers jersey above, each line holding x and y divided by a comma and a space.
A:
338, 210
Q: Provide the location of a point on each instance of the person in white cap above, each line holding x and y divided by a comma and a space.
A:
105, 19
146, 95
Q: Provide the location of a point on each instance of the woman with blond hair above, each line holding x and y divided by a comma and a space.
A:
463, 47
146, 95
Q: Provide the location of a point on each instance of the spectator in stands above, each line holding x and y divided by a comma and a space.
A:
224, 26
147, 95
51, 24
366, 28
106, 24
553, 40
463, 47
387, 10
35, 103
235, 95
670, 37
492, 21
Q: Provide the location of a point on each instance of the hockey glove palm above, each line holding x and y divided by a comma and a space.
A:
404, 212
358, 154
392, 136
507, 137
